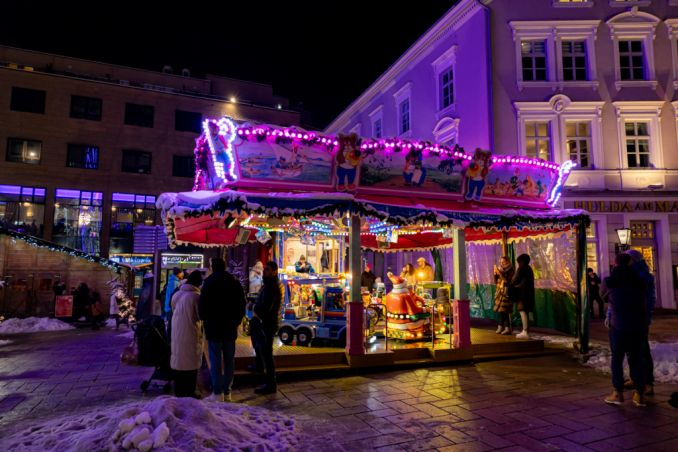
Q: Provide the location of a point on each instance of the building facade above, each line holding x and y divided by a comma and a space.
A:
90, 145
591, 81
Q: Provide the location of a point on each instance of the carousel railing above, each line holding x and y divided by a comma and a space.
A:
370, 323
450, 327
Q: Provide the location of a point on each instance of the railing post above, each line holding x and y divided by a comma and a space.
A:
461, 307
355, 315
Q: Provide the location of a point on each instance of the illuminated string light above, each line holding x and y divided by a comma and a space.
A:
563, 172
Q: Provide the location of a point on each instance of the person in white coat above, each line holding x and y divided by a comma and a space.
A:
186, 343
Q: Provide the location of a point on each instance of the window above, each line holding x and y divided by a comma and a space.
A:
446, 88
139, 115
77, 219
404, 115
592, 246
22, 209
578, 142
129, 211
631, 60
642, 230
28, 100
574, 60
562, 130
86, 108
533, 60
637, 145
556, 54
183, 166
187, 121
377, 121
538, 140
20, 150
136, 161
82, 156
633, 35
376, 128
403, 111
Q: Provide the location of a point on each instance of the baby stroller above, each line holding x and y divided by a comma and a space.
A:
154, 351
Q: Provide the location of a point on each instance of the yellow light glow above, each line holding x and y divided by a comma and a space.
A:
233, 99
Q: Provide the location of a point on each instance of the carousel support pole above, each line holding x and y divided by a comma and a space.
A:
355, 317
504, 243
582, 290
461, 306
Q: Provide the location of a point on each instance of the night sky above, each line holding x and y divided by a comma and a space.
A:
322, 53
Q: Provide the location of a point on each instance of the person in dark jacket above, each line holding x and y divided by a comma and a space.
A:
640, 266
503, 305
267, 314
368, 278
522, 292
81, 301
593, 283
624, 291
144, 308
221, 308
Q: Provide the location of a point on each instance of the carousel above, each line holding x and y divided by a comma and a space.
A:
332, 209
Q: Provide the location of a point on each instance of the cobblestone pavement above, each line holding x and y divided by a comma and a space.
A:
546, 403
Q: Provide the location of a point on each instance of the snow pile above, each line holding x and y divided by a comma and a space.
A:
4, 343
32, 325
165, 423
664, 355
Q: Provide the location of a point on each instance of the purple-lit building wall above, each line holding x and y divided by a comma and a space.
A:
605, 98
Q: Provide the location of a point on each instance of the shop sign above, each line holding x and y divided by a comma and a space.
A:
63, 306
181, 260
626, 206
132, 260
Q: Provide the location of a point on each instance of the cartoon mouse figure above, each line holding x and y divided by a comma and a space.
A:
348, 159
476, 174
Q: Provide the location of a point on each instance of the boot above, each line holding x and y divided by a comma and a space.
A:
499, 329
507, 331
638, 399
616, 398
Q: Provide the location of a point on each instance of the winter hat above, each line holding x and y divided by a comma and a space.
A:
636, 255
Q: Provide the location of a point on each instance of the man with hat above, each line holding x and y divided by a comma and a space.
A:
641, 268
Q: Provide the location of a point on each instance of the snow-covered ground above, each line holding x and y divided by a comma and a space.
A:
664, 355
4, 343
165, 423
32, 325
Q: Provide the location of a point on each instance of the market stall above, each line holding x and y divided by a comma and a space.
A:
340, 201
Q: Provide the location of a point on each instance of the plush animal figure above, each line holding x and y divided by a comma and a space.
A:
476, 174
348, 159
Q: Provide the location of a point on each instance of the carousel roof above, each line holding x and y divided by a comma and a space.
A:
210, 218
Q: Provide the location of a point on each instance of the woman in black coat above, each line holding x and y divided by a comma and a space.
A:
522, 292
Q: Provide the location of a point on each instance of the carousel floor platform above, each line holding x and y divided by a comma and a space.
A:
486, 345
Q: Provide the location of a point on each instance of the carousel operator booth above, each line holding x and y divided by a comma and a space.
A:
326, 205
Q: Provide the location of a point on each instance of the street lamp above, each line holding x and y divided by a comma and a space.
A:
624, 235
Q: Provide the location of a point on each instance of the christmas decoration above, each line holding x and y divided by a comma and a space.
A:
126, 305
407, 315
39, 243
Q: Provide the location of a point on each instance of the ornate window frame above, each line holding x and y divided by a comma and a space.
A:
640, 111
557, 111
554, 32
635, 25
